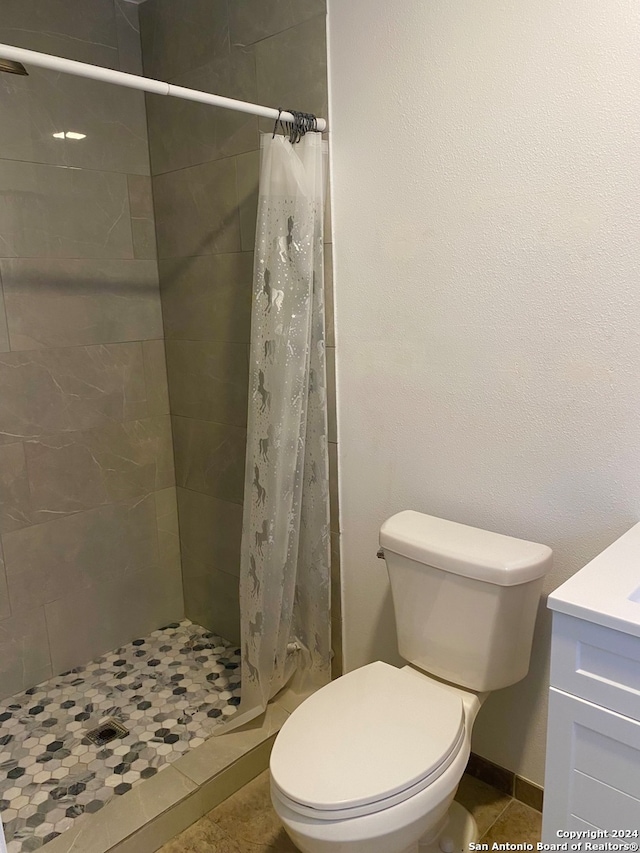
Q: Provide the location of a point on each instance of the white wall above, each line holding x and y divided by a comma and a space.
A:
486, 192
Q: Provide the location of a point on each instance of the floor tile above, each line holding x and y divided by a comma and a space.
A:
203, 836
168, 690
246, 822
249, 818
485, 803
517, 823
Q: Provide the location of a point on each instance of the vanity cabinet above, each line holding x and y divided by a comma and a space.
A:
592, 778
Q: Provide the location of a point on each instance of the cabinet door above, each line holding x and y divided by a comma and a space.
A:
593, 768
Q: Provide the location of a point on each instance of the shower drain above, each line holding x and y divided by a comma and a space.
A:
106, 732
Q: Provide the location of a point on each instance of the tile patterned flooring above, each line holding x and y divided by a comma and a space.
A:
169, 690
246, 822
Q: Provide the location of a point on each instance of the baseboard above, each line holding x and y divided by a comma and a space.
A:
506, 781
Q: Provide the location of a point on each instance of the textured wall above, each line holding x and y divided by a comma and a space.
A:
486, 187
205, 165
87, 496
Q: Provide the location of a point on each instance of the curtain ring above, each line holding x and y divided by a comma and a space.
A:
275, 125
302, 123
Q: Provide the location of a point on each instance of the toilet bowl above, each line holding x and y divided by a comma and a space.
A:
371, 762
401, 762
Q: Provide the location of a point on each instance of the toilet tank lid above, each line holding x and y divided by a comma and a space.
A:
464, 550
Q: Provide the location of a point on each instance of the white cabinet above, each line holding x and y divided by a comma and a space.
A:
592, 778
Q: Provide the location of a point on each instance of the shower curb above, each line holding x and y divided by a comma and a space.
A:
159, 808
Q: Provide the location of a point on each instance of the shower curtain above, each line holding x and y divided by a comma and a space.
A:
285, 570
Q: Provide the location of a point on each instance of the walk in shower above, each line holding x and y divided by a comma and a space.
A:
127, 229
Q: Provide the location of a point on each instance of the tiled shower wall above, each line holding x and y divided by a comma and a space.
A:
205, 164
87, 490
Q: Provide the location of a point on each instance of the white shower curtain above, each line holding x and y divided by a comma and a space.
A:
285, 571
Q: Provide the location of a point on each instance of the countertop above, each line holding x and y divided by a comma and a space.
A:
607, 590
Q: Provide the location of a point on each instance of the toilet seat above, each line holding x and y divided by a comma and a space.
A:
365, 742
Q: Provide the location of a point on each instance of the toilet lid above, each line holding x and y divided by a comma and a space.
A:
365, 737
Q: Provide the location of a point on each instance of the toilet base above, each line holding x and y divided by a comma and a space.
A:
459, 831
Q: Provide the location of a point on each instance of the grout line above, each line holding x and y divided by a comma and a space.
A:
206, 162
489, 828
274, 35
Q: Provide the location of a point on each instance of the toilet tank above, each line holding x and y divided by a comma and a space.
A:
465, 599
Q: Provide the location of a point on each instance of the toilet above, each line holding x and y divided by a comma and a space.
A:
371, 762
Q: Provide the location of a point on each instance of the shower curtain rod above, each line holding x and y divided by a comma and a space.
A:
132, 81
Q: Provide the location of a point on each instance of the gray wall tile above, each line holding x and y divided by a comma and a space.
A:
210, 531
197, 210
331, 394
15, 501
304, 48
36, 107
212, 598
248, 178
336, 604
329, 317
47, 561
207, 297
180, 36
73, 29
210, 457
128, 36
155, 373
327, 208
209, 380
85, 469
63, 390
24, 652
60, 45
169, 541
86, 383
333, 487
5, 608
184, 133
55, 212
253, 20
90, 621
336, 645
4, 332
143, 227
58, 303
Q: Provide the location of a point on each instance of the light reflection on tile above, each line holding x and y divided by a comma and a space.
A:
45, 103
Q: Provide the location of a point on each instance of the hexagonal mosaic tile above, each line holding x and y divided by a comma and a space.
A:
169, 690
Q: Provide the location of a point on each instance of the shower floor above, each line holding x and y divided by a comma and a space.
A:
169, 690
